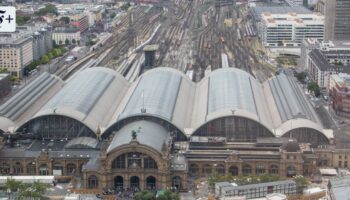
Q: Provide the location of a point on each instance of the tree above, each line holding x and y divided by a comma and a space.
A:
21, 20
301, 77
112, 15
12, 185
35, 190
50, 55
174, 196
49, 8
66, 41
301, 183
45, 59
144, 195
78, 42
168, 195
313, 87
60, 42
74, 41
57, 52
54, 44
65, 20
125, 6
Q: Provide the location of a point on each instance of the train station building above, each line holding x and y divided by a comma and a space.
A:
162, 130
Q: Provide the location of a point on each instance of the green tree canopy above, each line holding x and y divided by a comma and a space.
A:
301, 183
45, 59
49, 8
112, 15
65, 20
313, 87
301, 77
144, 195
168, 195
35, 190
12, 185
50, 55
21, 20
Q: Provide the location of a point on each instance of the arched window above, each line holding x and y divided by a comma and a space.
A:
291, 171
31, 168
119, 162
194, 169
71, 169
206, 169
134, 160
273, 170
92, 182
235, 128
149, 163
119, 183
176, 183
233, 170
151, 183
5, 168
260, 169
220, 169
247, 169
17, 168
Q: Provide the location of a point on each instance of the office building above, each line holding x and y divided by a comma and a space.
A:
5, 85
329, 58
81, 21
287, 26
42, 38
337, 19
28, 43
16, 52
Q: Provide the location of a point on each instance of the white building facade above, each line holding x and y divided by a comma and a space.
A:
295, 2
289, 29
61, 35
326, 61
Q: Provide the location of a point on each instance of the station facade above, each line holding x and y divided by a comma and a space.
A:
163, 130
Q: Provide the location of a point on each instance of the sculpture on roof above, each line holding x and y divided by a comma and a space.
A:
98, 133
134, 135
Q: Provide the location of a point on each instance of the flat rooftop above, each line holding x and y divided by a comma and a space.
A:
2, 76
280, 10
152, 47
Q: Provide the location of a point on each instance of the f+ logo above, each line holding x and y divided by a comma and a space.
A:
2, 17
7, 19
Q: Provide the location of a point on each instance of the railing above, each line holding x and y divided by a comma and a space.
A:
93, 191
86, 191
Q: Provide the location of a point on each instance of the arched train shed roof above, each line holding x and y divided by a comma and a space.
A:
100, 97
90, 97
